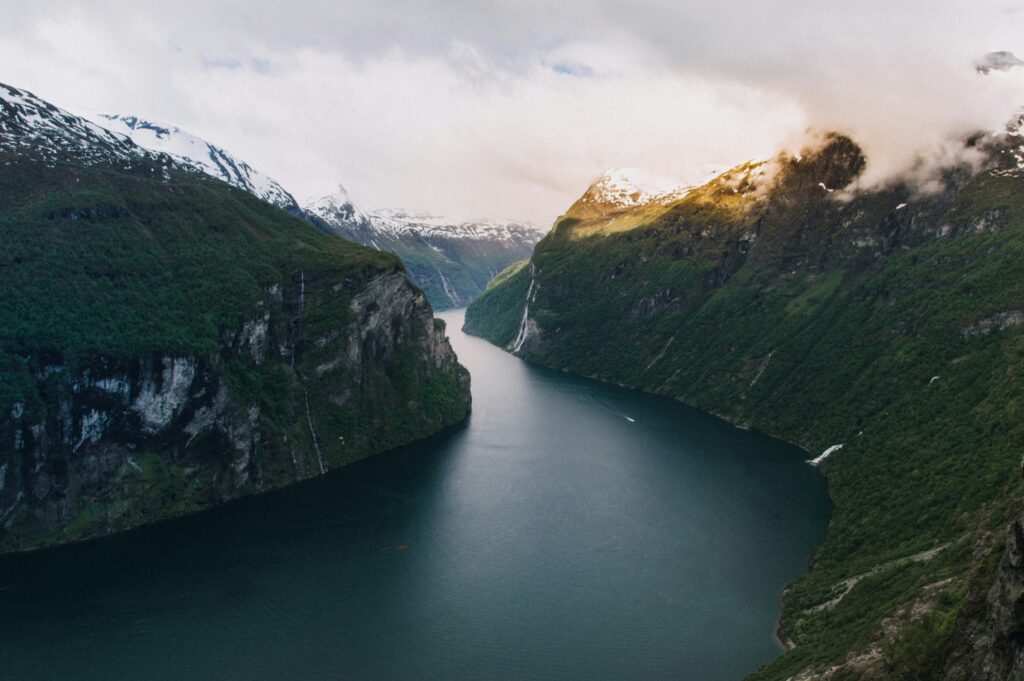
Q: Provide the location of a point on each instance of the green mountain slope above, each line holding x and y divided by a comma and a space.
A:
168, 342
885, 320
454, 271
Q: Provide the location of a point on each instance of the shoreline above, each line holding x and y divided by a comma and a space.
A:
786, 644
79, 541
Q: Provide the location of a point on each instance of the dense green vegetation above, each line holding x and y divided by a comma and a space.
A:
98, 262
109, 271
823, 322
497, 314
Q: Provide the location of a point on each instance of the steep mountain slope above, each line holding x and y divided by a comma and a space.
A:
451, 261
785, 298
201, 155
336, 214
168, 342
33, 128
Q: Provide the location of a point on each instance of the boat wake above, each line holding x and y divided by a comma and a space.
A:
613, 410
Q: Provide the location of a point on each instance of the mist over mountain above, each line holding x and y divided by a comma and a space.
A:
997, 61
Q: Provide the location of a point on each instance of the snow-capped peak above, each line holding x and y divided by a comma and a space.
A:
338, 200
337, 207
199, 154
401, 223
625, 188
34, 127
629, 187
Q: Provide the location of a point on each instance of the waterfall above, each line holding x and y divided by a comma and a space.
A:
305, 395
825, 454
312, 432
302, 310
524, 325
453, 297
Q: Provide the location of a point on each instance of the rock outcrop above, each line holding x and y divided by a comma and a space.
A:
989, 641
287, 395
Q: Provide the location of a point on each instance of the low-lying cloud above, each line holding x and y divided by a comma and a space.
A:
510, 109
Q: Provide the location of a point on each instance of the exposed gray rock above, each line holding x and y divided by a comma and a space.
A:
125, 441
997, 322
160, 397
989, 642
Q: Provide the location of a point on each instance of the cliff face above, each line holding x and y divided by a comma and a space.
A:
288, 394
989, 641
169, 342
785, 298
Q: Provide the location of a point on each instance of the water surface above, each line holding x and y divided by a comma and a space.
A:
570, 530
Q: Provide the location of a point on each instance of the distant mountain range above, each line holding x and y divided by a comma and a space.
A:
452, 261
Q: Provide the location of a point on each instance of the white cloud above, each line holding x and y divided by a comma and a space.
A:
513, 107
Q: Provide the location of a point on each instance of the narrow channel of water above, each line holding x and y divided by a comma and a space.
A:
570, 530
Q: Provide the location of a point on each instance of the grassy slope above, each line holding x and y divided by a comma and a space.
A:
825, 348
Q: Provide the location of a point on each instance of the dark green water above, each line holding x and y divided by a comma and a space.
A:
570, 531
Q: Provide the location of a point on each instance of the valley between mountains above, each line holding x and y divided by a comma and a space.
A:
177, 331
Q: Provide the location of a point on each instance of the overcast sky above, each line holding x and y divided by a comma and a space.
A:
510, 109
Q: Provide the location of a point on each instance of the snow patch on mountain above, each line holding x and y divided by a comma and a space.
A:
338, 210
401, 223
43, 131
1010, 143
200, 154
337, 207
1015, 133
623, 188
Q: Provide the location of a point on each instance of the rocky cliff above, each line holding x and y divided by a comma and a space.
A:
114, 443
988, 642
